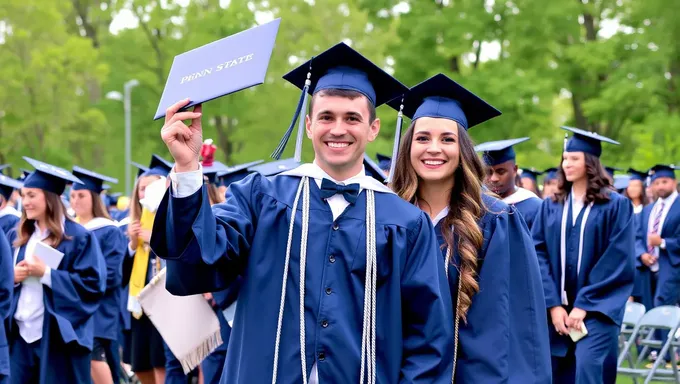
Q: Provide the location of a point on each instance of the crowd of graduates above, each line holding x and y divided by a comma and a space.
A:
442, 262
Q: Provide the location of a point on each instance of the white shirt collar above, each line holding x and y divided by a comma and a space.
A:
320, 171
314, 171
670, 199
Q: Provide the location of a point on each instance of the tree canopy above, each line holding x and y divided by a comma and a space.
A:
609, 66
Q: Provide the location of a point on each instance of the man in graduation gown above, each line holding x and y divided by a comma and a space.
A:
9, 216
500, 158
354, 267
658, 239
6, 288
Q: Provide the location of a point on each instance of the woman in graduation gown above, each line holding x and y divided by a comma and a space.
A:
91, 213
500, 324
147, 356
584, 238
52, 323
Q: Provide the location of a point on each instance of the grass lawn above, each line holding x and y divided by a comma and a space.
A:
629, 380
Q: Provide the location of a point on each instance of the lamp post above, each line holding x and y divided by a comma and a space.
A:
125, 98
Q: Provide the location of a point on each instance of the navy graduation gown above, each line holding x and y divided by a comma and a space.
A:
529, 208
642, 287
68, 324
126, 270
668, 281
213, 364
605, 279
6, 287
107, 318
510, 346
207, 249
8, 225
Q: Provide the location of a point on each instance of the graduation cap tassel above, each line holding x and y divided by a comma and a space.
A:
397, 141
301, 122
276, 155
566, 138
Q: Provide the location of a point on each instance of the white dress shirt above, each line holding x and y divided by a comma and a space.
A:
668, 202
31, 308
185, 184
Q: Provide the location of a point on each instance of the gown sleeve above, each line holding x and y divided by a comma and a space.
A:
673, 246
610, 281
426, 310
206, 248
538, 232
114, 249
75, 291
512, 345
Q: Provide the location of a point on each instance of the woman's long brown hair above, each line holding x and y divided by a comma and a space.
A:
98, 208
599, 184
55, 212
465, 209
135, 206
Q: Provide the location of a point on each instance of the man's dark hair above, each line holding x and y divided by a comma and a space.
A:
334, 92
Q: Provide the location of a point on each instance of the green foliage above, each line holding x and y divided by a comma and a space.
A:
542, 63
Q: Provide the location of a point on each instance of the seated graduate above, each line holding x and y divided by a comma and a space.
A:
529, 180
6, 288
501, 171
380, 281
491, 264
91, 214
141, 264
9, 216
549, 183
52, 324
584, 238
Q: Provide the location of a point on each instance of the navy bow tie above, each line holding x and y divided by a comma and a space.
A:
330, 189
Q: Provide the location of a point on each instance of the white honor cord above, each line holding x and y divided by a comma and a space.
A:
368, 335
283, 284
447, 262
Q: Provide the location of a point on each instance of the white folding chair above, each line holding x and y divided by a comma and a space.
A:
632, 316
660, 318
